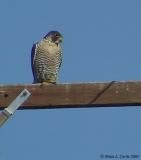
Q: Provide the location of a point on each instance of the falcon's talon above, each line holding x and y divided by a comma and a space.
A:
46, 83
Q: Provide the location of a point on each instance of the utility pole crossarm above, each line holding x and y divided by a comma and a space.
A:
80, 95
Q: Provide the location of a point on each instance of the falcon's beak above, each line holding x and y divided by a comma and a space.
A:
59, 40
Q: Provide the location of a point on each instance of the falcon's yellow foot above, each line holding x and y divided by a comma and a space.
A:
46, 83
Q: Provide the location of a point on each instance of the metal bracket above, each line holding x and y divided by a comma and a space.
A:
9, 111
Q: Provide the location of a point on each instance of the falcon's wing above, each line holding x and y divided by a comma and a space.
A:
33, 54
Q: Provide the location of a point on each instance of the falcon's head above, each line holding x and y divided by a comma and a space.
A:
54, 36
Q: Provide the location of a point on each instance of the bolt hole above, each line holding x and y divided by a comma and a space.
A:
5, 95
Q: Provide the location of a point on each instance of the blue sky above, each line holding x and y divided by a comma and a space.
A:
102, 42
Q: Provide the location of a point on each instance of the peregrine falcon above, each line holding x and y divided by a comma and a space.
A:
46, 58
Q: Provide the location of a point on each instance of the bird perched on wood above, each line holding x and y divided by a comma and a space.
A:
46, 58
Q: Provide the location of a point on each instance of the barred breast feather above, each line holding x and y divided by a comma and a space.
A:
46, 59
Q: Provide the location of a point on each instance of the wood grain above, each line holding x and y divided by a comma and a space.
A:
79, 95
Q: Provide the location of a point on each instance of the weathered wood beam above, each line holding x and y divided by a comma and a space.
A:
80, 95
